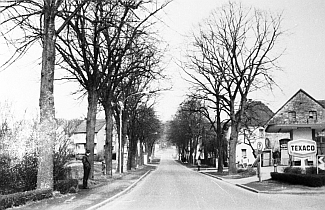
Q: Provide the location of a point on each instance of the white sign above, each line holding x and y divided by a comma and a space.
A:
259, 145
321, 162
302, 148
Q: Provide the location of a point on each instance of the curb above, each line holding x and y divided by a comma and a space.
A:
119, 194
217, 177
249, 188
265, 192
238, 185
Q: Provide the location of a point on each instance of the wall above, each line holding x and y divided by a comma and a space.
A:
302, 133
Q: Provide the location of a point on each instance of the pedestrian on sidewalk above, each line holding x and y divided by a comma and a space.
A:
198, 163
87, 167
199, 160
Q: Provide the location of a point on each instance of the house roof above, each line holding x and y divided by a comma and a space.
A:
271, 126
82, 127
322, 102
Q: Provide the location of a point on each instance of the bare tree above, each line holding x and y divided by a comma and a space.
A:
134, 94
239, 45
208, 90
143, 69
95, 48
35, 20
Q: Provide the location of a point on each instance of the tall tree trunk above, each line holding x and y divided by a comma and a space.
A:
151, 151
219, 131
124, 140
109, 137
132, 153
220, 140
232, 148
91, 125
141, 154
46, 103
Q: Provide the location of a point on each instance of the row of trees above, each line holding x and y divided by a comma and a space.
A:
232, 54
108, 47
190, 131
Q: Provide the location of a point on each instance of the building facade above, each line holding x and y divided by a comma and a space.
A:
79, 139
302, 117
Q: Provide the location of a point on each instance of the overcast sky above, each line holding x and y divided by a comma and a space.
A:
303, 63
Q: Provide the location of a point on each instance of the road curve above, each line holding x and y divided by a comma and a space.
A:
173, 186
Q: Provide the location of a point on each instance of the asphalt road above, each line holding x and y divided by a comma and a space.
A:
173, 186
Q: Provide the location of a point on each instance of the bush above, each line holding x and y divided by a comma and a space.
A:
311, 170
28, 171
246, 171
297, 170
16, 199
292, 170
311, 180
66, 186
60, 160
18, 177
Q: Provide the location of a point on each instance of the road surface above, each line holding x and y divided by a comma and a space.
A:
173, 186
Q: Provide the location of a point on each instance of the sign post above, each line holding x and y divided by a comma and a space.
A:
259, 151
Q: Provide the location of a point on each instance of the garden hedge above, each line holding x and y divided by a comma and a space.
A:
311, 180
20, 198
66, 186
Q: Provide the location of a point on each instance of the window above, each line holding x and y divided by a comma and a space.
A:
261, 133
244, 153
312, 115
292, 116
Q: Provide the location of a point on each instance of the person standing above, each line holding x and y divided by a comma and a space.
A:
87, 167
198, 163
199, 160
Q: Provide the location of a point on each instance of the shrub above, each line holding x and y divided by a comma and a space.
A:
28, 171
241, 170
247, 171
16, 199
292, 170
66, 186
311, 180
18, 177
60, 171
5, 173
311, 170
297, 170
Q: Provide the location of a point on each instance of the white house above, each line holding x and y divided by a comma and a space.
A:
247, 141
252, 131
270, 144
79, 139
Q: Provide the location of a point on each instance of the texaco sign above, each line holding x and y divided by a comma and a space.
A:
302, 148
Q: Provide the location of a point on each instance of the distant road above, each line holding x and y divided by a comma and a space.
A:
173, 187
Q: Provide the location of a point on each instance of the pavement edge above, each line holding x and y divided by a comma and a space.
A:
119, 194
265, 192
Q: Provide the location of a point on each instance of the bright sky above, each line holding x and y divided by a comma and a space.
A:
303, 62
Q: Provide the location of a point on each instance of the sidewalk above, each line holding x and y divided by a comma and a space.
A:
95, 196
267, 185
265, 174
